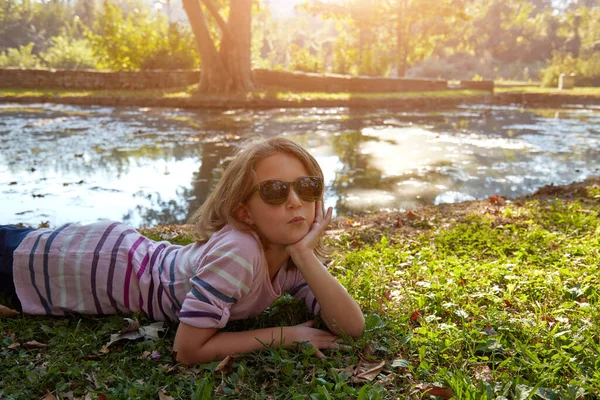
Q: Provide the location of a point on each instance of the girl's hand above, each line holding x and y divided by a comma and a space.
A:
307, 244
318, 338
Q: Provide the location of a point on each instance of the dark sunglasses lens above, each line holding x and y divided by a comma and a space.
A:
274, 192
309, 188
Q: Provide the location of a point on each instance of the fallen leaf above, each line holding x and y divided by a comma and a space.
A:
33, 344
162, 395
67, 396
151, 331
93, 357
431, 390
483, 373
369, 350
132, 326
224, 365
413, 215
145, 354
366, 371
415, 316
13, 346
48, 396
125, 336
6, 312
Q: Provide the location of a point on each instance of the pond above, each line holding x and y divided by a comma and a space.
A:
148, 166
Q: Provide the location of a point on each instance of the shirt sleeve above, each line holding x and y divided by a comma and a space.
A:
225, 275
301, 291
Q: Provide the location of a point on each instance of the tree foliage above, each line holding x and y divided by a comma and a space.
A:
451, 39
139, 38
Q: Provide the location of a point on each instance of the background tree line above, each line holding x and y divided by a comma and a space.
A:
450, 39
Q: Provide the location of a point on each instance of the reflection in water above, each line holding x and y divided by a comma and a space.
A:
150, 166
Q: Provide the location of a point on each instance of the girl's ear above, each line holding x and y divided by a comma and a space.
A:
243, 214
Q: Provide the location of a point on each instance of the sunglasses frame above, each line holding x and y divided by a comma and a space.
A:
290, 184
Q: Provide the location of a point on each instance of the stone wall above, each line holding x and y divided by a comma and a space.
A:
94, 80
330, 83
265, 79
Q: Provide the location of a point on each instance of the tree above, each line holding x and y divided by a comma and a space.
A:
414, 25
228, 69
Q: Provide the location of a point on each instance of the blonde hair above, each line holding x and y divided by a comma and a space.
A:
237, 181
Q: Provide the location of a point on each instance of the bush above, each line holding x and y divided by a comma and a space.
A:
140, 39
585, 68
68, 53
21, 57
465, 66
303, 60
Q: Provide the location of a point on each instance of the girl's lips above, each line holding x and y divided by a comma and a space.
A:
296, 220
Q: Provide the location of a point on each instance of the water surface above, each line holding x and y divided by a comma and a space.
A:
148, 166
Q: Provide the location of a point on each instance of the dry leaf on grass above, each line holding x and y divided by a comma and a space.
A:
6, 312
225, 365
33, 344
163, 396
149, 332
483, 373
132, 326
431, 390
366, 371
67, 396
48, 396
13, 346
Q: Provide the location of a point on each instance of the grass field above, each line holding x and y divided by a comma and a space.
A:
481, 300
188, 93
578, 91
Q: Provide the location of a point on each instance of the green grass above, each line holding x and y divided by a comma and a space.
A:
577, 91
282, 95
509, 293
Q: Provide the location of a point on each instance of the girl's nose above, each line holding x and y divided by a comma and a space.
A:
293, 200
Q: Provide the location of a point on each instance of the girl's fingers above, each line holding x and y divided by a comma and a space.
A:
318, 211
319, 354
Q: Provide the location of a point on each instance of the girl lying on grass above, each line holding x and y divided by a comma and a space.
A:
264, 221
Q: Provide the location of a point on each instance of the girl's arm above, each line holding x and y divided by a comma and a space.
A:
201, 345
338, 309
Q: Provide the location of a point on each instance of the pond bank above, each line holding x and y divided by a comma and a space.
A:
266, 100
370, 227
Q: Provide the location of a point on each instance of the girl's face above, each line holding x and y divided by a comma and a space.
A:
285, 223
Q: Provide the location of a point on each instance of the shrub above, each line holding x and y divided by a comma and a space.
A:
303, 60
66, 53
140, 39
467, 66
21, 57
585, 68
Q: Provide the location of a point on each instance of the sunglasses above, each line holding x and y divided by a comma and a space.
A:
274, 192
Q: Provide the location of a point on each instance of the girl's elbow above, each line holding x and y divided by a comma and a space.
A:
359, 328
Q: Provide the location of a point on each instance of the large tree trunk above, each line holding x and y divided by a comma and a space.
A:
236, 48
214, 77
227, 70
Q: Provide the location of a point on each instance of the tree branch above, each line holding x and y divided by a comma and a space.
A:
210, 5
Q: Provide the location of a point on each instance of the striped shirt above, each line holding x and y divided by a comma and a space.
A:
109, 268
